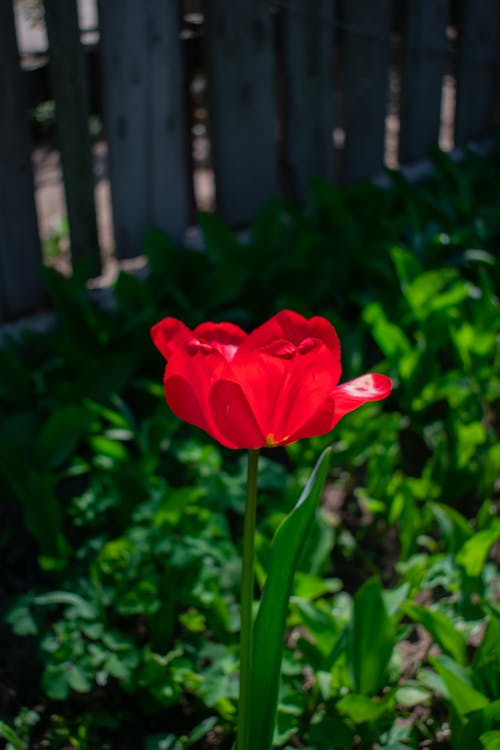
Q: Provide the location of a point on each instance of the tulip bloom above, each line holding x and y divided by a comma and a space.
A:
271, 387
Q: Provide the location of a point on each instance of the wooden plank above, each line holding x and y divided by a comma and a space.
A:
309, 61
241, 105
477, 72
146, 122
366, 49
424, 46
21, 288
69, 84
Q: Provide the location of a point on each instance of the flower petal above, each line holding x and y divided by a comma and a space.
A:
183, 401
224, 337
287, 386
234, 417
168, 334
355, 393
295, 328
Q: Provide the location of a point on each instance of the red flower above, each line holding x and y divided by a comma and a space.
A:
271, 387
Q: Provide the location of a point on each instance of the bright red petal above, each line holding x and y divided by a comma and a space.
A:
184, 403
168, 334
191, 371
234, 416
224, 337
295, 328
286, 386
355, 393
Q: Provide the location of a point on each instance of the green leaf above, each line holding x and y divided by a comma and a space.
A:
463, 695
55, 683
269, 628
411, 695
454, 527
362, 709
491, 740
486, 662
473, 554
391, 339
21, 620
370, 640
477, 723
44, 518
60, 435
8, 734
77, 678
440, 628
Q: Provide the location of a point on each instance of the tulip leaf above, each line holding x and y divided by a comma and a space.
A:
370, 638
440, 627
463, 695
270, 623
473, 554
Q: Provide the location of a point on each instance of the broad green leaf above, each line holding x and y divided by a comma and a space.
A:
78, 679
307, 586
491, 740
270, 623
473, 554
321, 625
21, 619
411, 695
440, 628
406, 264
463, 695
476, 724
423, 289
362, 709
454, 527
486, 662
371, 639
44, 518
8, 734
391, 339
60, 435
55, 683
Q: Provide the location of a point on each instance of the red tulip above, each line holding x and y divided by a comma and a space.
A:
271, 387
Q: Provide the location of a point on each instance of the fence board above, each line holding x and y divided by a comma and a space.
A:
365, 86
309, 51
241, 105
21, 289
476, 71
145, 116
70, 91
424, 46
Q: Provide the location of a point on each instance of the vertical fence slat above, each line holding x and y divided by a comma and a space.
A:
145, 116
309, 50
366, 41
241, 105
476, 70
69, 84
21, 288
424, 47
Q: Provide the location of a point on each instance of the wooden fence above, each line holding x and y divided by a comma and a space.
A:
295, 88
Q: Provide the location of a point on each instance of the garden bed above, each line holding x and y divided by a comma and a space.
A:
121, 531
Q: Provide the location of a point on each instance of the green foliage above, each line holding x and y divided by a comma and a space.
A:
270, 622
393, 631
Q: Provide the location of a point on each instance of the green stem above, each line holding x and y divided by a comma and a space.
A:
247, 601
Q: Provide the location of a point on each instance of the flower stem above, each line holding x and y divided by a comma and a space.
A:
247, 601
